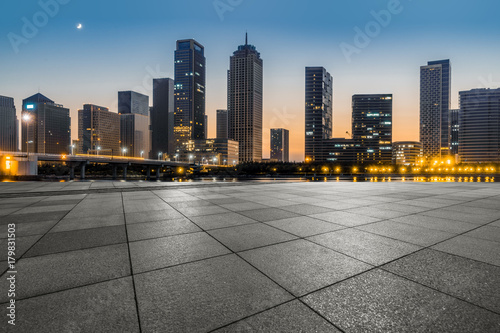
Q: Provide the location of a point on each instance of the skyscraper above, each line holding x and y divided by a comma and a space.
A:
479, 135
244, 101
8, 124
222, 126
454, 130
162, 117
372, 127
46, 126
135, 133
189, 88
280, 145
435, 91
318, 111
98, 130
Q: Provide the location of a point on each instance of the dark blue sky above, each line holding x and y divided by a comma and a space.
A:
123, 44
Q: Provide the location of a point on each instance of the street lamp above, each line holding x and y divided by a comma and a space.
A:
124, 150
142, 153
159, 155
177, 157
72, 147
215, 160
98, 148
190, 158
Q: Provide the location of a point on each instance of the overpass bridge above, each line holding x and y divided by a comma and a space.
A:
80, 161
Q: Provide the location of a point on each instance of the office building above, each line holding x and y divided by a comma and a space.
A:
339, 150
189, 93
245, 84
162, 117
98, 131
318, 111
280, 143
454, 118
435, 91
210, 151
479, 135
8, 125
133, 102
372, 127
222, 124
135, 133
46, 126
407, 152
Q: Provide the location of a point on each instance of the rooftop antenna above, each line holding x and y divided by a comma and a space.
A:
246, 38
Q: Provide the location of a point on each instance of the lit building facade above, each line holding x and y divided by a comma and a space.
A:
8, 125
135, 132
222, 126
454, 119
280, 142
318, 111
245, 102
162, 118
479, 136
210, 151
435, 91
340, 150
189, 93
407, 152
98, 131
46, 126
372, 127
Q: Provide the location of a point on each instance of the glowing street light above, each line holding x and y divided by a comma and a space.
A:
159, 155
124, 151
98, 148
27, 120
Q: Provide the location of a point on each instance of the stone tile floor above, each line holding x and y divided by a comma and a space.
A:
248, 257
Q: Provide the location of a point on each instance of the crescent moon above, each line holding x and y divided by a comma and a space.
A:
79, 26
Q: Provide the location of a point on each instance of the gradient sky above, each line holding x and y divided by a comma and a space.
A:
124, 44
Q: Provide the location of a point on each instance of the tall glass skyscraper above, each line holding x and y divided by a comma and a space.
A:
162, 117
244, 101
318, 111
47, 129
189, 117
98, 130
222, 125
8, 124
372, 127
479, 135
280, 142
435, 91
135, 133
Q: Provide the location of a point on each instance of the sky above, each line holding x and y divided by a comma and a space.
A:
368, 46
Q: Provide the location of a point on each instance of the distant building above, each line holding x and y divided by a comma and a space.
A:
135, 133
372, 127
318, 111
98, 131
133, 102
206, 126
46, 126
280, 143
8, 125
162, 117
339, 150
435, 92
479, 135
454, 119
189, 94
222, 126
245, 91
210, 151
407, 152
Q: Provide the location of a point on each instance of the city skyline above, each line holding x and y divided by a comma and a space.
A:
388, 64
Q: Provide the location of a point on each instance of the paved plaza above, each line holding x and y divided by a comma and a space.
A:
252, 257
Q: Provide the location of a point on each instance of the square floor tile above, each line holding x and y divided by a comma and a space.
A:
377, 301
345, 219
407, 233
301, 266
55, 272
158, 253
304, 226
470, 280
102, 307
205, 295
250, 236
69, 224
367, 247
473, 248
436, 223
156, 215
269, 214
215, 221
485, 232
157, 229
